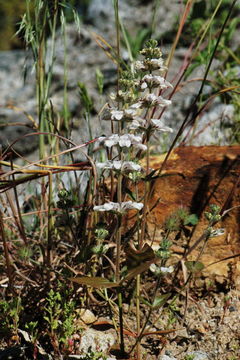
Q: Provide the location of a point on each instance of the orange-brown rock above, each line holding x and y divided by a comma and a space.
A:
195, 177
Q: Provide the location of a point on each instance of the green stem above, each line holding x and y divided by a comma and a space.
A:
138, 289
117, 23
49, 230
120, 309
6, 253
146, 192
118, 244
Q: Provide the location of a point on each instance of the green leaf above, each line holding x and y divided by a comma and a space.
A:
160, 300
85, 97
191, 220
96, 282
131, 194
99, 79
144, 301
194, 266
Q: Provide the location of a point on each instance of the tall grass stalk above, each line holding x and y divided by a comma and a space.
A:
49, 229
9, 269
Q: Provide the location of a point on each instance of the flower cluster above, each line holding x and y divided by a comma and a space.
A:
125, 140
154, 81
150, 65
123, 166
117, 115
119, 207
152, 125
152, 100
159, 270
135, 102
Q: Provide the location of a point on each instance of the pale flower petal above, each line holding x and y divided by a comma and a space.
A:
158, 125
156, 64
167, 270
154, 100
158, 270
117, 115
125, 140
131, 166
119, 165
137, 123
139, 65
119, 207
154, 81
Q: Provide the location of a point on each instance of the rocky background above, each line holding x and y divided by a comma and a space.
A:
84, 56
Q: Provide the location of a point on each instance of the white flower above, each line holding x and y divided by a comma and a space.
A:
119, 207
130, 113
161, 270
166, 270
154, 124
130, 139
154, 81
137, 123
157, 64
119, 165
125, 140
117, 115
139, 65
217, 232
109, 141
154, 100
158, 125
150, 64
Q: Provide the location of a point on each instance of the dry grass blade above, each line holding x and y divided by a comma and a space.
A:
95, 282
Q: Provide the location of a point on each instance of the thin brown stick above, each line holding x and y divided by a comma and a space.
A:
9, 268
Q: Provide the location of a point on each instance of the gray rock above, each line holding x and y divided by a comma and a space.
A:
199, 355
84, 55
96, 341
134, 14
17, 100
166, 357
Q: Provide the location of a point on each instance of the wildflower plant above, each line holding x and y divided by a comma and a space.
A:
137, 100
110, 257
